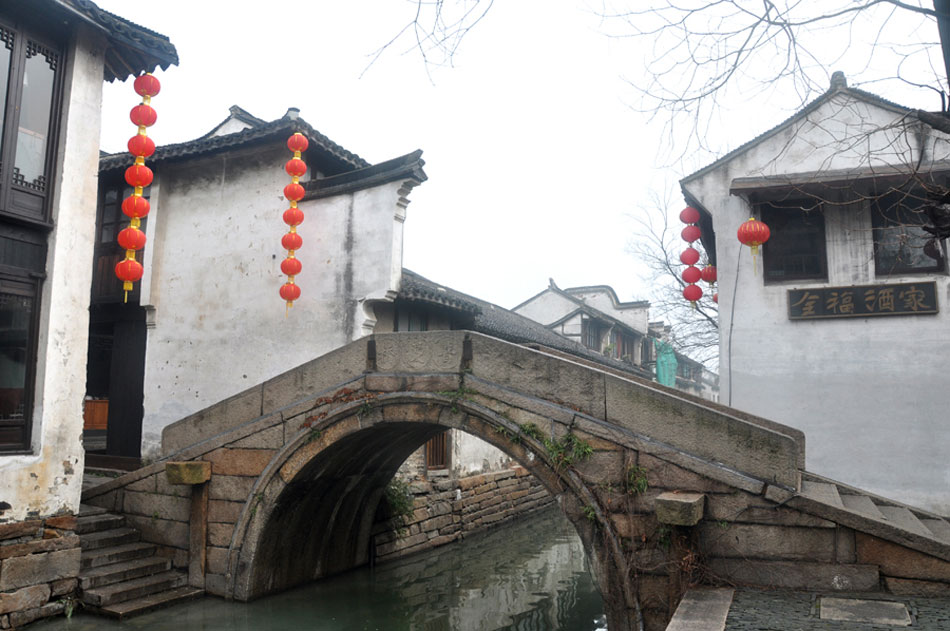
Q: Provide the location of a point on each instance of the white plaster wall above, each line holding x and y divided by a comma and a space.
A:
219, 325
868, 392
546, 307
637, 318
49, 480
473, 455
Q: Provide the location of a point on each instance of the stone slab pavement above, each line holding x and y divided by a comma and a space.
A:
754, 610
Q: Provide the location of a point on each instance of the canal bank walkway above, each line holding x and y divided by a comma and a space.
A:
756, 610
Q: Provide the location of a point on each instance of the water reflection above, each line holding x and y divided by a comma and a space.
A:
530, 576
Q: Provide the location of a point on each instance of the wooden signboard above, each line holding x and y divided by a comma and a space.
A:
862, 301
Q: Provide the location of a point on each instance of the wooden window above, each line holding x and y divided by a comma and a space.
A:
901, 245
796, 249
590, 334
30, 80
437, 451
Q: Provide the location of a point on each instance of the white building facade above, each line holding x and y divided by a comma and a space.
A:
841, 328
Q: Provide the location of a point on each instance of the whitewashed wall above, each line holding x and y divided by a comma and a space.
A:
217, 324
869, 393
49, 480
634, 317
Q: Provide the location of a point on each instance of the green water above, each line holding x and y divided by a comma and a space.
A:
529, 576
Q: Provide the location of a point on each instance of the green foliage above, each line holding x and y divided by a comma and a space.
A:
457, 395
590, 513
70, 605
664, 536
567, 450
635, 481
399, 498
532, 430
314, 434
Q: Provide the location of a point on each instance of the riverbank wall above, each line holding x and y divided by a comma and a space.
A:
446, 509
39, 565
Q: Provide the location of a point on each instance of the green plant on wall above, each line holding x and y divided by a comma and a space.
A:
400, 500
567, 450
635, 482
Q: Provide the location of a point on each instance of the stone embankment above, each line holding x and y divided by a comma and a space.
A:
39, 563
447, 509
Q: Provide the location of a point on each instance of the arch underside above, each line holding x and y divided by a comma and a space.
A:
319, 522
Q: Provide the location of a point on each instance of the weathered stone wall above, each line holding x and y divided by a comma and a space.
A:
39, 565
447, 509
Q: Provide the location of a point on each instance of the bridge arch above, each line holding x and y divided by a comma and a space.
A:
311, 511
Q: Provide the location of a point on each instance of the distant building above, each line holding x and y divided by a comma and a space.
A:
594, 317
843, 331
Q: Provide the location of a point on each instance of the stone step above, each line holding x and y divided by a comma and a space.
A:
108, 538
123, 571
862, 504
939, 527
115, 554
822, 492
134, 588
903, 518
144, 604
89, 509
86, 524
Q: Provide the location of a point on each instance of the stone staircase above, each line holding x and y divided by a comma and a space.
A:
120, 575
849, 506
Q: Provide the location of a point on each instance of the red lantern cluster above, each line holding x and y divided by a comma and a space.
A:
293, 217
690, 256
138, 176
753, 233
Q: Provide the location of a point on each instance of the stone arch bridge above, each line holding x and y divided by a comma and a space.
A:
291, 472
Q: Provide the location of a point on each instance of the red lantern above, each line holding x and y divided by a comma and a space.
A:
131, 239
289, 292
692, 274
147, 85
143, 115
295, 167
138, 175
135, 206
709, 274
294, 192
141, 145
753, 233
689, 215
291, 241
129, 271
690, 256
290, 266
716, 298
691, 233
692, 293
293, 216
298, 143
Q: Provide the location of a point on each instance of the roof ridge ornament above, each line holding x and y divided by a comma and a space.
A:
838, 81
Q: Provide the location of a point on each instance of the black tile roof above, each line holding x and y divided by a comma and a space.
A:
499, 322
133, 49
336, 159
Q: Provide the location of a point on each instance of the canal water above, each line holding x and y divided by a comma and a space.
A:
528, 576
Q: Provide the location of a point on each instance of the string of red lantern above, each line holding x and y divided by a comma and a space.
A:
753, 233
690, 256
293, 217
138, 176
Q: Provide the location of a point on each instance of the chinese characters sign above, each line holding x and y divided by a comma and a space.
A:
862, 301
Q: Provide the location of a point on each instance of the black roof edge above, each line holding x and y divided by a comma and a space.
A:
408, 166
212, 144
619, 304
153, 49
707, 233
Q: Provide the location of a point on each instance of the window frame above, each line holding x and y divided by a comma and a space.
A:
12, 281
878, 224
767, 209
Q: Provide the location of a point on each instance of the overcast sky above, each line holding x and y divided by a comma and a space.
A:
535, 161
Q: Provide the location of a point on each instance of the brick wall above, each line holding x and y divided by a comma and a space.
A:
39, 566
447, 509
